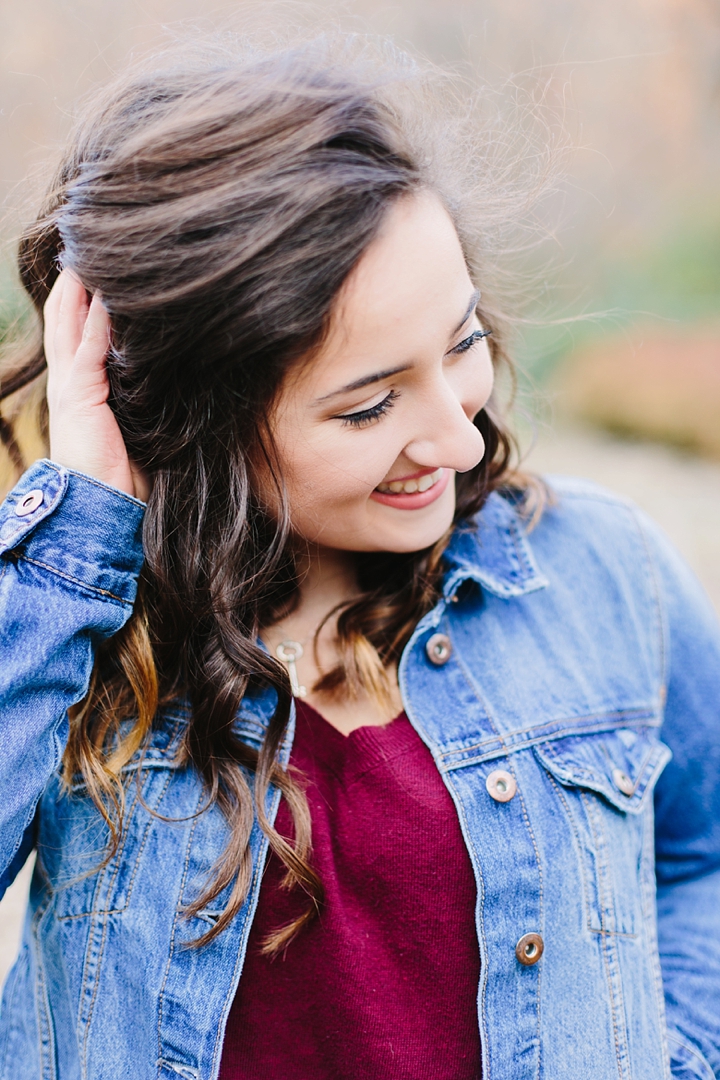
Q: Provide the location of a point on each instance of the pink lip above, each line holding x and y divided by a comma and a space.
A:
418, 499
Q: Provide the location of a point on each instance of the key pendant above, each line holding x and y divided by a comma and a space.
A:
289, 652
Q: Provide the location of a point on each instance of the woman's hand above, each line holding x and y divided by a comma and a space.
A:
84, 433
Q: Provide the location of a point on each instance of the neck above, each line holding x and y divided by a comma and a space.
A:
326, 578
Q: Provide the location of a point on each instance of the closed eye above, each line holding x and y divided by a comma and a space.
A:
468, 342
366, 416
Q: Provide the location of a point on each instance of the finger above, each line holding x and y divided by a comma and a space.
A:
95, 338
64, 314
50, 308
72, 314
51, 313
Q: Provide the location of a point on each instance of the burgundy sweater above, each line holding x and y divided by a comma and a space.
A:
383, 984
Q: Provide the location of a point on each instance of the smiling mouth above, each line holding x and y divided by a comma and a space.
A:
411, 486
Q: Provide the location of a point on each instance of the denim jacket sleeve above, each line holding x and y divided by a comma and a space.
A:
70, 555
687, 818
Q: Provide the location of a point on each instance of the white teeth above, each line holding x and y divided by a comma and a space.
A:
409, 487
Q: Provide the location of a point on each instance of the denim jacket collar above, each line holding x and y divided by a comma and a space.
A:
495, 552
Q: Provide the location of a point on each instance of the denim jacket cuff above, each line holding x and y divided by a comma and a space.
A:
77, 527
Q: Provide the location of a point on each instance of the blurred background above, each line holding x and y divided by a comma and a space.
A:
620, 352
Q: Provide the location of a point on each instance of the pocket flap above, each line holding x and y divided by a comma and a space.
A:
622, 764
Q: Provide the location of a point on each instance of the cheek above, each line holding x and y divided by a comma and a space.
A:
334, 474
484, 381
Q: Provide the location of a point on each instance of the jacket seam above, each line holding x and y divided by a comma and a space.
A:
262, 855
608, 940
475, 691
101, 916
98, 916
118, 856
578, 852
606, 896
526, 569
161, 997
541, 906
634, 714
606, 945
41, 1002
106, 487
660, 627
694, 1051
648, 889
458, 758
75, 581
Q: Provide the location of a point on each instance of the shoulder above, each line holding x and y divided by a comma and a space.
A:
587, 539
602, 544
584, 536
585, 512
575, 496
588, 514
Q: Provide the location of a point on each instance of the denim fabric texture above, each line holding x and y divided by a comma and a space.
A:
585, 662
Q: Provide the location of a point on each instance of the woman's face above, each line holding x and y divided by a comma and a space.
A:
371, 432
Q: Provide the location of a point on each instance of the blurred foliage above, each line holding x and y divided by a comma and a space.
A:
647, 364
658, 385
15, 313
664, 280
635, 231
674, 274
14, 307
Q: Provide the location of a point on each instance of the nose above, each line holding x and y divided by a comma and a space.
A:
446, 435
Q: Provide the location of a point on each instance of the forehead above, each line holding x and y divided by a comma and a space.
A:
406, 294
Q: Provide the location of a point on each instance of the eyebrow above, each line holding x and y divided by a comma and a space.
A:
378, 376
471, 307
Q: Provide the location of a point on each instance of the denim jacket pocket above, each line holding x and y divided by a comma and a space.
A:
73, 839
603, 783
73, 844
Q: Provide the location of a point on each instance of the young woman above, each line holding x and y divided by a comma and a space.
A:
334, 767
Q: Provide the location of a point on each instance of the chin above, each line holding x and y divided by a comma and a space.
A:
415, 535
408, 544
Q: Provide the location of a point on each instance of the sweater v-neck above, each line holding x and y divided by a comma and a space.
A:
382, 983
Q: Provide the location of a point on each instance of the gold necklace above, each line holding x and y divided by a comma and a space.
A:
288, 652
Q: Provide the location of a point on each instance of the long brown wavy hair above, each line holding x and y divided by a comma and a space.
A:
218, 203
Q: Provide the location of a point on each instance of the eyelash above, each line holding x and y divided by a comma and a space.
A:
477, 335
367, 416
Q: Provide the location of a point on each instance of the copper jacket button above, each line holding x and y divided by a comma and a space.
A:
439, 649
29, 502
529, 949
623, 782
501, 785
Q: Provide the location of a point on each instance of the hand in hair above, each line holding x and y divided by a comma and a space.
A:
84, 433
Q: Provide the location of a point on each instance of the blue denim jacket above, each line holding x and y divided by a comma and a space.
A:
586, 665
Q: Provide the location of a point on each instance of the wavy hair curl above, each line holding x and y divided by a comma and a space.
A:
218, 202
